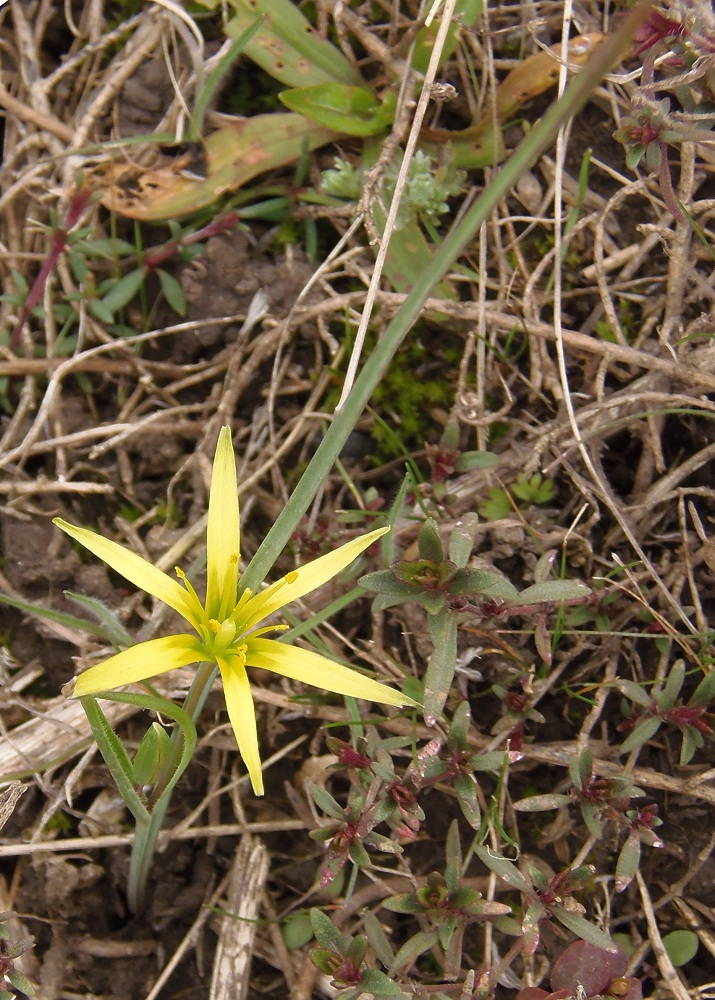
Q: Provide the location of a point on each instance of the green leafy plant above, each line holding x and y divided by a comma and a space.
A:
664, 707
546, 898
444, 907
343, 959
667, 46
450, 592
601, 800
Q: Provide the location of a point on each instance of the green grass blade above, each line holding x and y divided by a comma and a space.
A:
536, 142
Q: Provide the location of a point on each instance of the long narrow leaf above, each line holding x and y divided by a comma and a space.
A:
115, 757
111, 626
55, 616
535, 143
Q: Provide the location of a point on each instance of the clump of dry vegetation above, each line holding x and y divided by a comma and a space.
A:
181, 249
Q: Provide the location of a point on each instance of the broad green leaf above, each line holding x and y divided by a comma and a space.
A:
540, 803
297, 931
325, 801
692, 740
469, 460
504, 868
429, 542
705, 691
378, 939
461, 539
375, 982
287, 46
404, 902
352, 110
635, 692
483, 583
453, 853
413, 948
681, 946
667, 697
100, 311
628, 860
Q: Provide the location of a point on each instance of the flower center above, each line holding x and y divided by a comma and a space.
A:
224, 634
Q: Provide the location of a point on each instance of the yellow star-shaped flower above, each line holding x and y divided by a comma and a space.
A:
227, 625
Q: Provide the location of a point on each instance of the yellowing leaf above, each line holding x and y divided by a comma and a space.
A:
235, 154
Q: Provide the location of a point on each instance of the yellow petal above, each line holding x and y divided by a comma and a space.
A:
140, 662
312, 668
223, 532
133, 568
241, 712
306, 578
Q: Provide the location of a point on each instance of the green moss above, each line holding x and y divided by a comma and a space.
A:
420, 379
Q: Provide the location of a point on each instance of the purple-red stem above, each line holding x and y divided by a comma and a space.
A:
215, 228
77, 205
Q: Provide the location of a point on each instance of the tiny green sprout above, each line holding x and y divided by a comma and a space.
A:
427, 188
526, 491
342, 181
229, 623
425, 195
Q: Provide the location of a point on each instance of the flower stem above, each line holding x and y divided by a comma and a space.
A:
146, 833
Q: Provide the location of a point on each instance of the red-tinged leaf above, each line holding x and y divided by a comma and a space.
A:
530, 927
584, 963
